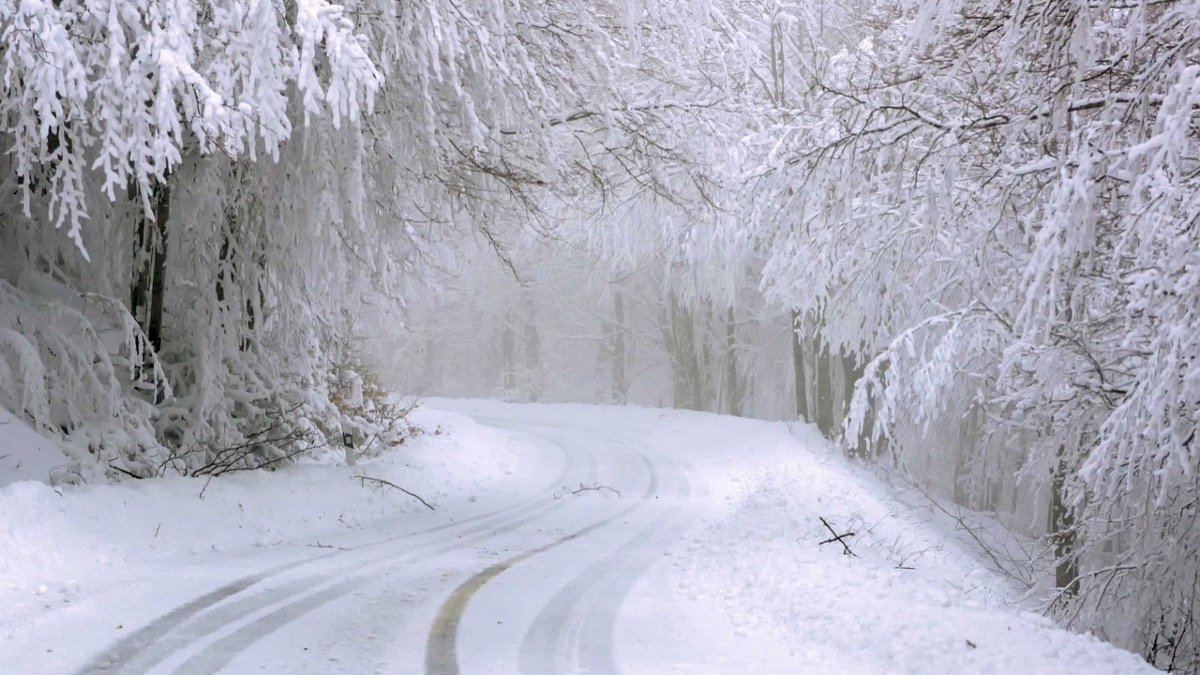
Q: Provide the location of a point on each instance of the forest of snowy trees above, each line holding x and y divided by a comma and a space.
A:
960, 236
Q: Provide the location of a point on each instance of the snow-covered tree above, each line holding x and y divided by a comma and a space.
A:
215, 191
991, 202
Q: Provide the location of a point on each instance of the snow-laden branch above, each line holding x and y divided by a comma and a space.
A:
129, 87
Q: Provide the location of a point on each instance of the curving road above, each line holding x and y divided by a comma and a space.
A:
531, 586
697, 550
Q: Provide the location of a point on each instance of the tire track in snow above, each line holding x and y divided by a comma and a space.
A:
116, 658
441, 652
230, 605
218, 654
574, 631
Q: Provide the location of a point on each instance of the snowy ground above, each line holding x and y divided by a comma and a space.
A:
707, 561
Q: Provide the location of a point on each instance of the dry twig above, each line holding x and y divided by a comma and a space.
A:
586, 488
839, 538
379, 481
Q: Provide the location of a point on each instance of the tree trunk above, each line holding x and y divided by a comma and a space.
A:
148, 285
433, 374
798, 368
1062, 521
680, 336
231, 281
162, 211
824, 377
620, 372
1062, 532
852, 372
508, 359
533, 359
734, 391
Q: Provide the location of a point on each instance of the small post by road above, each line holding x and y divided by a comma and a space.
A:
348, 445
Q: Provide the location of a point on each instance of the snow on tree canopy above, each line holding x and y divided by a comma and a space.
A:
126, 86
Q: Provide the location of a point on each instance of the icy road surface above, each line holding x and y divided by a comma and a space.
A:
566, 539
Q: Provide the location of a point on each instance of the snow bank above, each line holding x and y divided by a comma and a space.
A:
25, 454
60, 546
914, 597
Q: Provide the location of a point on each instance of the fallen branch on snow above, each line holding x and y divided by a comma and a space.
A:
839, 538
381, 482
320, 545
586, 488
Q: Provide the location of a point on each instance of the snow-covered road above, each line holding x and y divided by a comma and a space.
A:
550, 606
533, 585
566, 539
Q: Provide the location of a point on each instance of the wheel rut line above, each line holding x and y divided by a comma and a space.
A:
225, 649
596, 649
441, 657
579, 620
224, 606
152, 644
115, 658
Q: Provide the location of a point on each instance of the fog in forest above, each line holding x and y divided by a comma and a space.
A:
959, 238
549, 323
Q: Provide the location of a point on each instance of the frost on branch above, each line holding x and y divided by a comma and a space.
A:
995, 205
129, 87
60, 369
